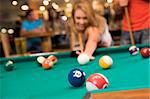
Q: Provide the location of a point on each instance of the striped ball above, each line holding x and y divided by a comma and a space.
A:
105, 62
133, 50
96, 81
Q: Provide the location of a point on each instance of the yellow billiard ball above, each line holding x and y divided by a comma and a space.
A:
105, 62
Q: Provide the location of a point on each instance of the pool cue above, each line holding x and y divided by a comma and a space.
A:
129, 26
80, 41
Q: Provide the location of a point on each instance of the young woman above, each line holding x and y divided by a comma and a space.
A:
91, 25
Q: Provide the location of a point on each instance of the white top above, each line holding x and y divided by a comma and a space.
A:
105, 37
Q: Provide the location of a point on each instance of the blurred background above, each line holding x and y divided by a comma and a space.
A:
55, 14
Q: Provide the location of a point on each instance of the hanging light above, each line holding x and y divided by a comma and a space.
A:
42, 8
3, 30
10, 31
66, 0
14, 2
25, 7
45, 2
109, 1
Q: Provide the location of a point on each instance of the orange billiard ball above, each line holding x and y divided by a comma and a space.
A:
47, 64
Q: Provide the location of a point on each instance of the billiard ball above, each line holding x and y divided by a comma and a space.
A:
105, 62
96, 81
76, 77
47, 64
9, 66
145, 52
83, 59
133, 50
53, 58
40, 59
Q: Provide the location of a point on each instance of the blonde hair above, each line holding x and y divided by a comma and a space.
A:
94, 19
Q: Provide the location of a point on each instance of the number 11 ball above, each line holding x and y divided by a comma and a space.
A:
76, 77
96, 81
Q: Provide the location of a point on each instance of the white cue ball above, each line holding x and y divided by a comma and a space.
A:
41, 59
83, 59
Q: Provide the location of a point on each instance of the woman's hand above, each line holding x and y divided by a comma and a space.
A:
90, 56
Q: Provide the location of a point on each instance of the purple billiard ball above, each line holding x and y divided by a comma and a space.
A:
76, 77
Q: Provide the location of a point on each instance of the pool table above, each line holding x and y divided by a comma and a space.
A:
128, 76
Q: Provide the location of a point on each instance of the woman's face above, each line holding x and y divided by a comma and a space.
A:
80, 19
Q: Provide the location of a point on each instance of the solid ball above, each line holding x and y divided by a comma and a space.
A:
47, 64
40, 59
96, 81
9, 66
76, 77
133, 50
105, 62
83, 59
53, 58
145, 52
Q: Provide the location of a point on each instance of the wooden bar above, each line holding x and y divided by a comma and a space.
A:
5, 43
126, 94
46, 40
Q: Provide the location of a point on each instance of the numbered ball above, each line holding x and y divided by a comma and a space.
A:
105, 62
76, 77
133, 50
145, 52
53, 58
96, 81
47, 64
9, 66
40, 59
83, 59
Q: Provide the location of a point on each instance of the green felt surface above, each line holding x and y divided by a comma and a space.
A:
30, 81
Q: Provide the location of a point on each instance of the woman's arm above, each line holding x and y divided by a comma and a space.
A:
93, 39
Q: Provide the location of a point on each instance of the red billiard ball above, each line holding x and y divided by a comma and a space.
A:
53, 58
145, 52
47, 64
96, 81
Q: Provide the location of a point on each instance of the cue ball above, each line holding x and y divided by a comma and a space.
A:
105, 62
83, 59
9, 66
76, 77
145, 52
40, 59
133, 50
96, 81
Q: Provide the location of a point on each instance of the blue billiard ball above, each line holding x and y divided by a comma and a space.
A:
76, 77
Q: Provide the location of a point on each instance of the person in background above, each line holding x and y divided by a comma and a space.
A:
93, 27
139, 20
34, 25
